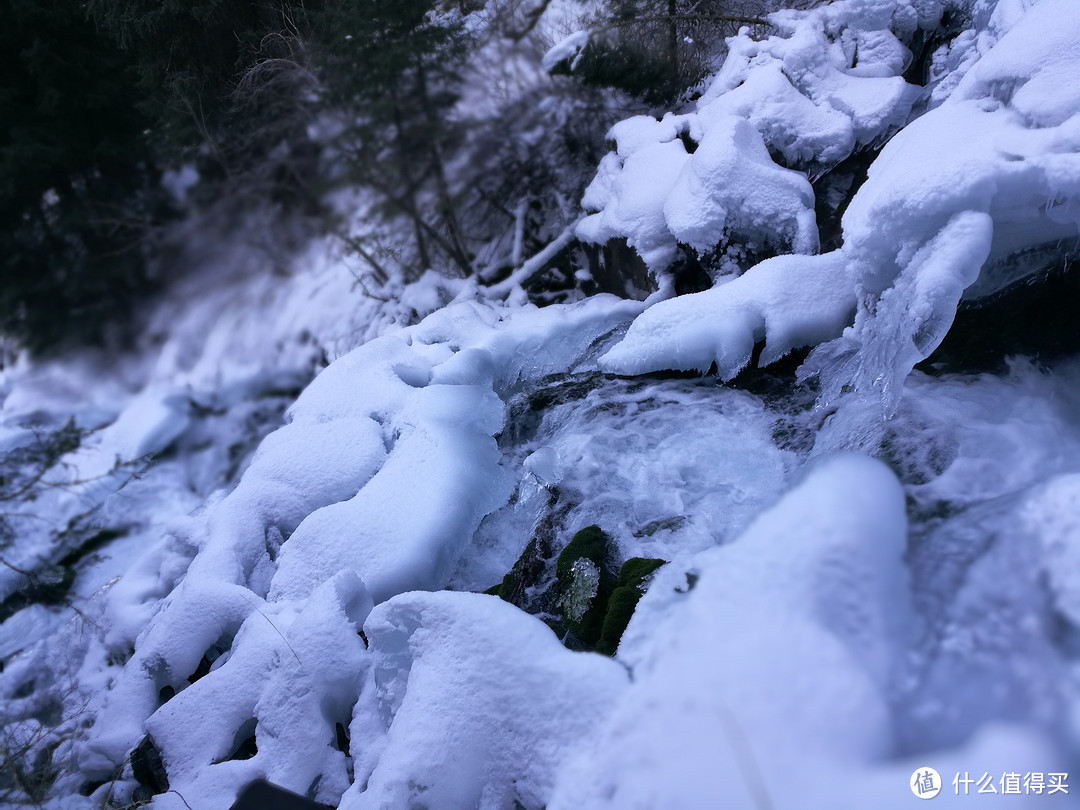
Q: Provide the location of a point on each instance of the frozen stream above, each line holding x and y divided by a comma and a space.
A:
974, 652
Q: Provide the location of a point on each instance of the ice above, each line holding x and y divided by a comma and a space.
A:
910, 318
545, 464
25, 628
658, 492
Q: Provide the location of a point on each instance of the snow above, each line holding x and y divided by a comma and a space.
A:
569, 47
1053, 514
798, 94
384, 472
787, 301
775, 662
847, 597
988, 173
732, 184
292, 675
449, 739
399, 536
629, 191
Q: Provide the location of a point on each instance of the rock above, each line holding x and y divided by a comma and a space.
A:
148, 769
586, 579
629, 588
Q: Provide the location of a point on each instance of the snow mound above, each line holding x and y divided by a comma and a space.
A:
787, 301
291, 680
765, 663
485, 729
990, 172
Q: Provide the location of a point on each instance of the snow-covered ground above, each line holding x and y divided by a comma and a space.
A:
871, 570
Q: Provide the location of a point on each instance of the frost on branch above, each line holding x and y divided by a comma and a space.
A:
950, 201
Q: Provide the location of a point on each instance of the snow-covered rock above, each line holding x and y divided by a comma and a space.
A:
990, 171
479, 703
763, 665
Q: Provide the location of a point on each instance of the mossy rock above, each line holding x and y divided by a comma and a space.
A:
621, 607
636, 570
526, 572
630, 587
593, 545
1032, 317
590, 605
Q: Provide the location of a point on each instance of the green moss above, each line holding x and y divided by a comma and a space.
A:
595, 546
621, 607
629, 589
592, 543
589, 599
636, 570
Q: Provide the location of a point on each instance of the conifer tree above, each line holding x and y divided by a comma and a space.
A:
74, 177
389, 70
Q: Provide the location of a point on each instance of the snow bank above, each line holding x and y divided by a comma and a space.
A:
381, 477
991, 171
